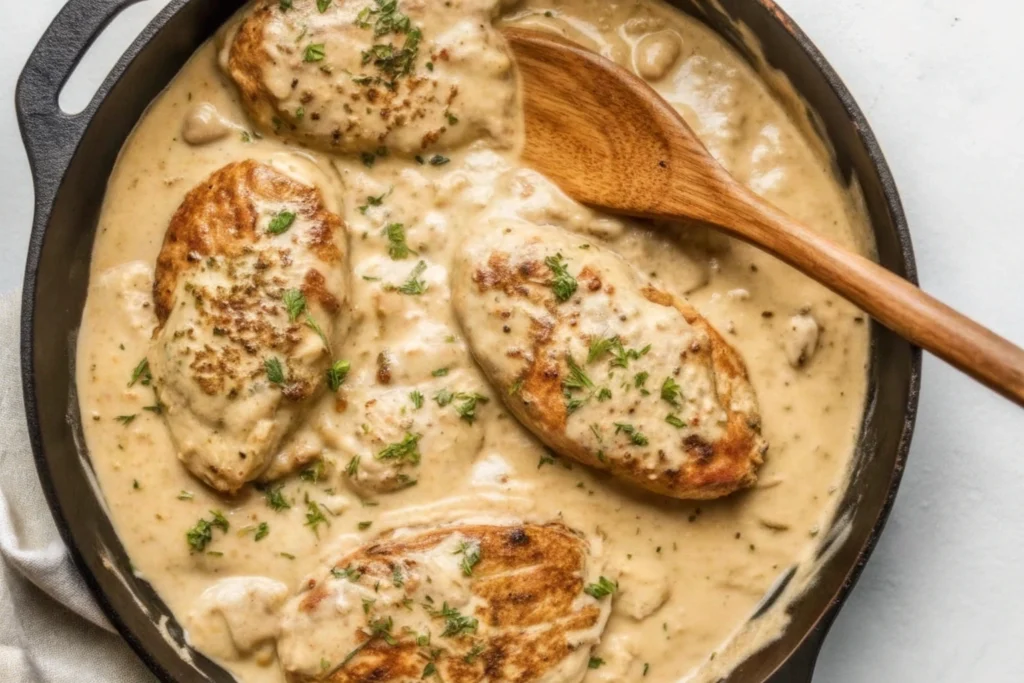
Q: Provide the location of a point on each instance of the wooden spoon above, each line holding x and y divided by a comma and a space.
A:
610, 141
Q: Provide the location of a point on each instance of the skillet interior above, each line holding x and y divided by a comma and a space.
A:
68, 205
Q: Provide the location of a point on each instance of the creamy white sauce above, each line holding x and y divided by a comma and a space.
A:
690, 574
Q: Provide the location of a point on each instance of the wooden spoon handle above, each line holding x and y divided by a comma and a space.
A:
888, 298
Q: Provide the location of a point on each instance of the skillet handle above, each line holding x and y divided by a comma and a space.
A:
800, 667
50, 135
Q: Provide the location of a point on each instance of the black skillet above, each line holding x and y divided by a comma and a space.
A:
72, 157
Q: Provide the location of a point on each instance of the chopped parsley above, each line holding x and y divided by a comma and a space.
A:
414, 285
281, 222
438, 160
374, 201
141, 373
670, 392
262, 531
275, 498
545, 459
275, 372
472, 655
314, 473
467, 408
406, 450
285, 5
604, 394
639, 380
577, 379
201, 534
455, 623
517, 387
599, 347
315, 517
397, 578
620, 354
635, 436
470, 551
322, 5
337, 373
595, 663
315, 53
602, 589
416, 396
398, 249
353, 466
186, 495
294, 303
363, 526
126, 419
440, 372
444, 397
349, 573
675, 421
563, 285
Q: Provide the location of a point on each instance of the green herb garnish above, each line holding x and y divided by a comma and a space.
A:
275, 499
315, 53
602, 589
398, 249
406, 450
337, 373
470, 551
141, 373
563, 285
670, 392
275, 372
294, 303
414, 285
281, 222
635, 436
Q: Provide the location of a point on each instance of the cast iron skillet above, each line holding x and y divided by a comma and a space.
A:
72, 157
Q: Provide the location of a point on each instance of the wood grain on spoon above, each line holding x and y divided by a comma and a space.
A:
610, 141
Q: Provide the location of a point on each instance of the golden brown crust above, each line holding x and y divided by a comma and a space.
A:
529, 579
537, 395
220, 217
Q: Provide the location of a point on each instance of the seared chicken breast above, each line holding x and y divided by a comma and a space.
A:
373, 77
474, 602
249, 288
604, 367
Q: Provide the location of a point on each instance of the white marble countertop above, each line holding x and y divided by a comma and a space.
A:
942, 82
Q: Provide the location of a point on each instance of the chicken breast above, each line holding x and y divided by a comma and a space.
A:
604, 367
250, 287
474, 602
373, 77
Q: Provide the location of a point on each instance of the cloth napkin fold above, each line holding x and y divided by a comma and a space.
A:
51, 629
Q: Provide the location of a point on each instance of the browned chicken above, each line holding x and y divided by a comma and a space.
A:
604, 367
249, 288
469, 603
372, 77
